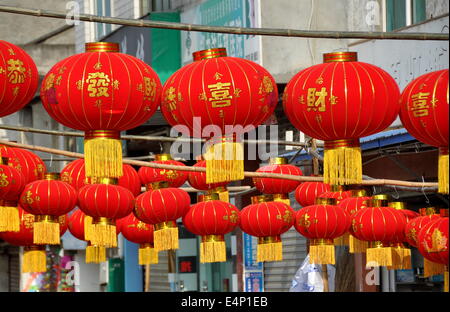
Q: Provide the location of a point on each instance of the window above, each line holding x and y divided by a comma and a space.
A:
161, 5
102, 8
401, 13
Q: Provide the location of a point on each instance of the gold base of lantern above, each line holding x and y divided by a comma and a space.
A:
321, 251
342, 162
147, 254
342, 240
213, 249
282, 198
9, 218
356, 246
269, 248
223, 193
443, 183
378, 255
224, 162
46, 230
103, 233
165, 236
95, 254
34, 260
432, 268
446, 280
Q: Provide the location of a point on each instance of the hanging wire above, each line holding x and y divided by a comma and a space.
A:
427, 200
397, 195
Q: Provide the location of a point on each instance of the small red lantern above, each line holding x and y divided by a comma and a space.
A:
198, 181
174, 178
279, 188
140, 233
12, 183
267, 220
424, 113
211, 219
307, 192
339, 102
101, 92
105, 203
18, 78
414, 226
322, 223
74, 174
31, 165
48, 199
162, 207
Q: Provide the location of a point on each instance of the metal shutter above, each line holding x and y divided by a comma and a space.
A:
14, 273
159, 280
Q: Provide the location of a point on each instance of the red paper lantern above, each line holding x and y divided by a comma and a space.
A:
105, 203
279, 188
267, 221
101, 92
74, 174
48, 199
424, 113
322, 224
18, 78
337, 194
307, 192
31, 165
211, 219
162, 207
198, 181
414, 226
338, 102
174, 178
220, 92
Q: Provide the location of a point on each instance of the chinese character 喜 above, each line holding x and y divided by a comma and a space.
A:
220, 94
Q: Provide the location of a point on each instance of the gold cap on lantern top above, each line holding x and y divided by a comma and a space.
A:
359, 193
52, 176
106, 180
162, 157
427, 211
380, 200
209, 53
277, 161
325, 201
340, 57
102, 47
208, 197
262, 198
397, 205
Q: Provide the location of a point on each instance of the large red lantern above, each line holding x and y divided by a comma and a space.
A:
424, 113
101, 92
174, 178
322, 223
105, 203
279, 188
198, 181
162, 207
414, 226
74, 174
140, 233
12, 182
18, 78
339, 102
307, 192
211, 219
31, 165
219, 97
48, 199
267, 220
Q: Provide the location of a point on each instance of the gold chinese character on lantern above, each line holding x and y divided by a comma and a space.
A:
304, 221
287, 216
419, 105
28, 221
16, 71
220, 94
149, 89
3, 180
170, 99
98, 84
316, 99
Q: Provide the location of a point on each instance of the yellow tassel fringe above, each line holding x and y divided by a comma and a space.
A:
224, 162
95, 254
148, 255
9, 219
46, 233
103, 157
342, 166
87, 228
103, 235
269, 252
213, 252
432, 268
342, 240
443, 167
356, 245
224, 196
401, 259
166, 239
322, 254
379, 256
34, 261
446, 281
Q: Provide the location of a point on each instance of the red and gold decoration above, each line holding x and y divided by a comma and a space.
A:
174, 178
339, 102
140, 233
379, 225
12, 182
322, 223
267, 220
48, 199
307, 192
219, 97
198, 181
105, 202
31, 165
279, 188
101, 92
424, 113
18, 78
74, 174
414, 226
162, 207
211, 219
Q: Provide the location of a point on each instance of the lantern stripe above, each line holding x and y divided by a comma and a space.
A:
438, 129
134, 118
190, 123
83, 105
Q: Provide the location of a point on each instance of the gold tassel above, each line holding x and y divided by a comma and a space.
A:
446, 281
224, 162
321, 251
103, 233
213, 249
282, 198
95, 254
342, 240
9, 219
378, 255
432, 268
356, 245
147, 255
87, 227
342, 162
46, 230
269, 251
34, 260
397, 258
443, 171
165, 236
103, 154
224, 196
406, 265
